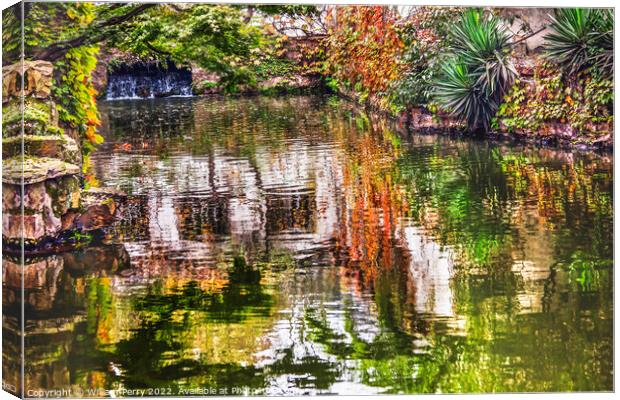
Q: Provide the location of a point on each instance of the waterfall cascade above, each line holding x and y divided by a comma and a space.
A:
148, 80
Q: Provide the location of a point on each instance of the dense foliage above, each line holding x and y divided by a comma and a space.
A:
214, 37
364, 48
424, 35
575, 86
586, 104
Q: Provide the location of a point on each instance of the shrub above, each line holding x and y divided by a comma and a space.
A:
234, 78
424, 37
364, 47
458, 90
273, 66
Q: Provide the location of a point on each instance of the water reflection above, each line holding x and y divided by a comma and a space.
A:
295, 245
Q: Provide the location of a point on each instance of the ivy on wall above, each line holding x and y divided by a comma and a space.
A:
73, 89
585, 103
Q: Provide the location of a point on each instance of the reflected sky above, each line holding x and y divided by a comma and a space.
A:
297, 246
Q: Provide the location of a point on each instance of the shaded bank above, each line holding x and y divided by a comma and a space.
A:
431, 61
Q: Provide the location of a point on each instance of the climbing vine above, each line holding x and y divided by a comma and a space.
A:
73, 90
75, 94
585, 103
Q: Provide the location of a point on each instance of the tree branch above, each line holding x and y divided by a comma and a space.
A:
156, 50
92, 35
528, 36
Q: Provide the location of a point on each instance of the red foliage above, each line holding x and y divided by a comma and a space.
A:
364, 46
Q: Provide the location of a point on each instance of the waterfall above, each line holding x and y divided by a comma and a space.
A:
148, 80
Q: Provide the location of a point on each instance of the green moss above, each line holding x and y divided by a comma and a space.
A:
36, 111
37, 119
33, 138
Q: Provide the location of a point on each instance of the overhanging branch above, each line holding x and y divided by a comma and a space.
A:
94, 34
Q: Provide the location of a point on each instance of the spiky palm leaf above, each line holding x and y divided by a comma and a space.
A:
472, 84
483, 43
581, 38
603, 40
460, 91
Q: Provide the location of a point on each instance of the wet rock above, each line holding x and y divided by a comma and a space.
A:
54, 208
143, 91
96, 217
174, 91
11, 196
102, 206
64, 194
67, 221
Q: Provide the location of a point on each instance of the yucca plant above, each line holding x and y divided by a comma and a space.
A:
581, 38
480, 72
483, 43
460, 91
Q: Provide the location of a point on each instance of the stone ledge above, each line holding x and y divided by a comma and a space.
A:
35, 169
62, 147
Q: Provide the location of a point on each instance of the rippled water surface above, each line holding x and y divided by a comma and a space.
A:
296, 245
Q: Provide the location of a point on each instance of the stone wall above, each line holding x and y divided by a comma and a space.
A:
523, 22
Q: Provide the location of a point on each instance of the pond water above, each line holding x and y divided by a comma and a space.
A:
297, 245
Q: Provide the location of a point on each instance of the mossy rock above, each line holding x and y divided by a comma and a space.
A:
64, 193
40, 118
35, 169
62, 147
